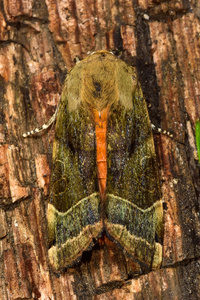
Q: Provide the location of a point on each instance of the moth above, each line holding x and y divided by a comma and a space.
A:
104, 176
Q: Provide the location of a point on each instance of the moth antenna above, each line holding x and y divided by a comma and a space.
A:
43, 127
159, 130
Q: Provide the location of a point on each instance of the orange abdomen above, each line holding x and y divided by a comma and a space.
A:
101, 148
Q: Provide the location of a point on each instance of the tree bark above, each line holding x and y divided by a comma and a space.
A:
39, 43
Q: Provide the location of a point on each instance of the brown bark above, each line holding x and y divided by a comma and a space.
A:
39, 43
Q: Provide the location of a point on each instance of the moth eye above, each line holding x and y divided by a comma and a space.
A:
164, 205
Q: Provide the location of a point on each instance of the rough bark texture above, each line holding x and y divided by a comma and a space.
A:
39, 42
